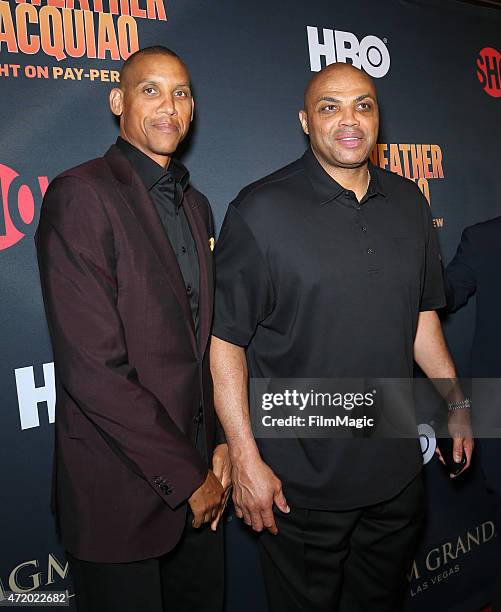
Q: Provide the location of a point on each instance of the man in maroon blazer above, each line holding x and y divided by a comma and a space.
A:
124, 247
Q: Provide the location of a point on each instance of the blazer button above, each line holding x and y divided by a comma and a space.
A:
161, 482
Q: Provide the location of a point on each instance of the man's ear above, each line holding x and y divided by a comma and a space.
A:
303, 119
192, 109
116, 101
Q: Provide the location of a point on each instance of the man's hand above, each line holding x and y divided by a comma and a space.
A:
255, 486
255, 489
460, 431
221, 466
206, 500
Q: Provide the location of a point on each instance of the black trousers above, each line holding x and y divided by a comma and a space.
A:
352, 561
190, 578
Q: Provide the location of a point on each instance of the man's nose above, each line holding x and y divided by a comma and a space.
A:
348, 117
168, 105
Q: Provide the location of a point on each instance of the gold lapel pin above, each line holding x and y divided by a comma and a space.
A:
211, 243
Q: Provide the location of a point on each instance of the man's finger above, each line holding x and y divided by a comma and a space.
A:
246, 517
197, 520
237, 503
218, 472
257, 522
221, 510
238, 511
218, 468
459, 445
440, 457
269, 522
281, 502
457, 450
216, 520
468, 451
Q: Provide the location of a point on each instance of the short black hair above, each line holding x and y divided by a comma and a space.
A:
153, 50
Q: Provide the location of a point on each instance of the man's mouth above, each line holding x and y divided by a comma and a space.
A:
165, 127
350, 142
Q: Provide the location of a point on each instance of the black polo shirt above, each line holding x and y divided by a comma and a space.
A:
166, 187
317, 285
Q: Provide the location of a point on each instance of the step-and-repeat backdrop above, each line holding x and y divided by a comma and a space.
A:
437, 65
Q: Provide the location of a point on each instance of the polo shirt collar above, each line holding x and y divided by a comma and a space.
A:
327, 189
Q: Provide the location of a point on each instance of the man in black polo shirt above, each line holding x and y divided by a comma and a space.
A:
328, 268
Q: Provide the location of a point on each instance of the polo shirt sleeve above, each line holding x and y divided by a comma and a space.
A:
244, 292
433, 294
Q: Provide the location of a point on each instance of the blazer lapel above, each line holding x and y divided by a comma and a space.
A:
206, 289
136, 197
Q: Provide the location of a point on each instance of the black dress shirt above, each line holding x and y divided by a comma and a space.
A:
317, 285
166, 190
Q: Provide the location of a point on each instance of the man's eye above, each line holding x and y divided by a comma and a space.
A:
149, 90
181, 94
328, 108
365, 106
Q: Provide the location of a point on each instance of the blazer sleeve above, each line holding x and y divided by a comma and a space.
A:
76, 254
460, 276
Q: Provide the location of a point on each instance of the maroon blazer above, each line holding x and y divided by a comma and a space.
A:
130, 373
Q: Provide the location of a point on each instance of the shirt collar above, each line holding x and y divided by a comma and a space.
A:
149, 171
327, 189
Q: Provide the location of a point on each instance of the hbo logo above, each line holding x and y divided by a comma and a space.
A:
370, 53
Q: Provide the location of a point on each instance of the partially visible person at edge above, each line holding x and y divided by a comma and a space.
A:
474, 270
329, 268
126, 271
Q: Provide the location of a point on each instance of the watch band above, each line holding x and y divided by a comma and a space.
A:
453, 406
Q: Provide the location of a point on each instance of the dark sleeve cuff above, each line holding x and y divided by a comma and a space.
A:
436, 305
229, 336
176, 494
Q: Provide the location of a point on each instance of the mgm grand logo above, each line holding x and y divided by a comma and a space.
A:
32, 575
443, 561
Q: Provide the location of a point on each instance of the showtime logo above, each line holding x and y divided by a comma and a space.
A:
17, 206
489, 71
370, 53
